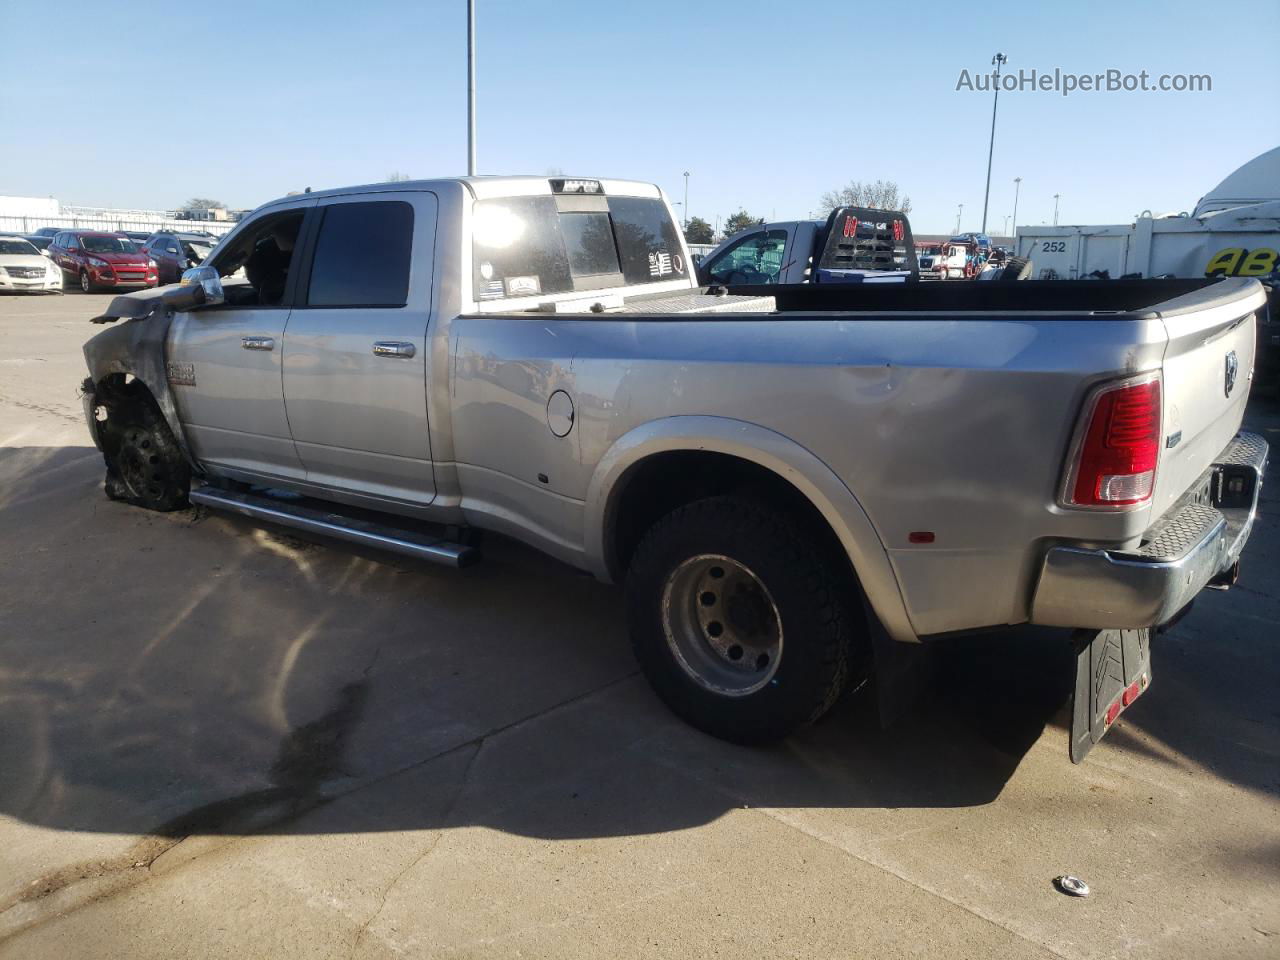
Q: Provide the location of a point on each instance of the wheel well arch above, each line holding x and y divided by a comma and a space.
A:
116, 392
117, 388
661, 482
683, 457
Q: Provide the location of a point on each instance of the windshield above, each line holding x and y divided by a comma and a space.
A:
94, 244
198, 250
20, 247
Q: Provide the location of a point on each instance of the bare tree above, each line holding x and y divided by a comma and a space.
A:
878, 194
202, 203
395, 176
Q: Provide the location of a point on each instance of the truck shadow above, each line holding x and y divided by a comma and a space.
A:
187, 673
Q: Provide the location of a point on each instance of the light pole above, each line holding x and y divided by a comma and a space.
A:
1055, 208
1017, 185
1006, 226
959, 213
471, 88
686, 199
998, 60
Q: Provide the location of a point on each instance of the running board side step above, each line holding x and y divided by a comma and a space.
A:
365, 533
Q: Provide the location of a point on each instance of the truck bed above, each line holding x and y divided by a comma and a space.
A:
1076, 296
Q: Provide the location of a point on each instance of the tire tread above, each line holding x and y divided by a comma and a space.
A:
830, 645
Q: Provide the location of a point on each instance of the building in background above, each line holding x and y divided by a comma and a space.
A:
29, 214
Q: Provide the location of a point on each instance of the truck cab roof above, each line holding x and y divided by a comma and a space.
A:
487, 187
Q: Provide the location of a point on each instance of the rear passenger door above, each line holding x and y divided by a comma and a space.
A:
355, 349
59, 248
167, 254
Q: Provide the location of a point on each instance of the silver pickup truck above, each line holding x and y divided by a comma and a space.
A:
794, 489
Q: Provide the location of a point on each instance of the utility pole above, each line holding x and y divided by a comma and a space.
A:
1055, 208
1005, 233
1017, 185
959, 213
998, 60
471, 88
686, 199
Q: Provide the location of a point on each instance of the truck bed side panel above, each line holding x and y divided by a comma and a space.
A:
958, 427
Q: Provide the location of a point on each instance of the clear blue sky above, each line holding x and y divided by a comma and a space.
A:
766, 104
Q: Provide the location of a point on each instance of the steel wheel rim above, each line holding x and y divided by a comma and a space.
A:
84, 282
138, 464
722, 625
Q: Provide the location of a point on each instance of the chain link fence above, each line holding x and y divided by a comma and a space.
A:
26, 225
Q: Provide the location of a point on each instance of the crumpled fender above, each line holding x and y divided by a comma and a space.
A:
138, 347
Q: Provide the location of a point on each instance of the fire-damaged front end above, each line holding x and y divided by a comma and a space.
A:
129, 407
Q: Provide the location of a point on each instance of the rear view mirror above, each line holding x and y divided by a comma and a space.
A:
208, 281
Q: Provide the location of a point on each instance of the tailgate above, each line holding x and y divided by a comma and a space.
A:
1208, 365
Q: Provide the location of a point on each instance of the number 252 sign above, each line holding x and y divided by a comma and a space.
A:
1239, 262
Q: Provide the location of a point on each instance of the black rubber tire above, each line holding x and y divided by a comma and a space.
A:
1017, 268
822, 626
145, 465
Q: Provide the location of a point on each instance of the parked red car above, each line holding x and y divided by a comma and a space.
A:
102, 260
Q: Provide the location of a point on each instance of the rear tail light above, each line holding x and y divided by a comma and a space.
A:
1114, 458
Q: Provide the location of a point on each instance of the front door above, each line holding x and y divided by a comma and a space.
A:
224, 362
355, 358
755, 259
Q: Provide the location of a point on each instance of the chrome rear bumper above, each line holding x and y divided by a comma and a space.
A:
1199, 539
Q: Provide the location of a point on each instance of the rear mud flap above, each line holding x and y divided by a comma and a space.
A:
1113, 668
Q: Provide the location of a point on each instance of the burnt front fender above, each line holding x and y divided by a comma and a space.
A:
137, 347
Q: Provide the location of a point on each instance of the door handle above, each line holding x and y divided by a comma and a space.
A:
394, 348
258, 343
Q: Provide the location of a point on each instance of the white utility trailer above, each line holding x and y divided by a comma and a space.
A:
1233, 231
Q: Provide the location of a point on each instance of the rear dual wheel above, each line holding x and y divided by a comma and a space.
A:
741, 624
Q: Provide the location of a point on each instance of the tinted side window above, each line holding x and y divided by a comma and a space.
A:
756, 258
362, 255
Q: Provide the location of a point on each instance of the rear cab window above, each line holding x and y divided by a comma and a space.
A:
572, 241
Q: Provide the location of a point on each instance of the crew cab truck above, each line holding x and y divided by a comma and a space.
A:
792, 488
853, 245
